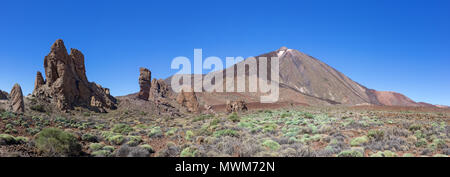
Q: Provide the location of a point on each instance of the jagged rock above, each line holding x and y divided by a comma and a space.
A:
144, 83
39, 81
209, 109
188, 99
17, 103
159, 89
67, 85
236, 106
3, 95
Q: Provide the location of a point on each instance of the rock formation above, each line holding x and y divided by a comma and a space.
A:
17, 103
151, 89
236, 106
3, 95
145, 78
66, 83
39, 81
159, 89
188, 99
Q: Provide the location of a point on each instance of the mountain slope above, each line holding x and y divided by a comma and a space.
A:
307, 80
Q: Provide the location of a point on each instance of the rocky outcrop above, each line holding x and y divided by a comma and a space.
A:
236, 106
159, 89
17, 103
66, 83
188, 99
145, 78
152, 90
3, 95
39, 82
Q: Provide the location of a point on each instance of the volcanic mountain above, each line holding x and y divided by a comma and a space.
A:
307, 80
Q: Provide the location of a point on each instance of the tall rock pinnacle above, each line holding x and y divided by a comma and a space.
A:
67, 84
17, 103
145, 78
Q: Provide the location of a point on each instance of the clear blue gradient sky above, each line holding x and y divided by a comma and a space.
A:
389, 45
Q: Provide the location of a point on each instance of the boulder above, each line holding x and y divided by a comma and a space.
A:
236, 106
145, 77
66, 83
17, 103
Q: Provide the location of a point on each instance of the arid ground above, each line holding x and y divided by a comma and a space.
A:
295, 131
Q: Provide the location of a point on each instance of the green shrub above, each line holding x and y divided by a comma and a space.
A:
284, 115
39, 108
245, 124
170, 144
122, 128
189, 135
171, 131
234, 117
55, 142
101, 153
148, 148
6, 139
33, 131
214, 122
440, 155
386, 153
96, 146
21, 140
359, 141
108, 148
408, 155
155, 132
437, 144
107, 134
421, 142
269, 127
306, 138
226, 132
89, 137
414, 127
272, 145
188, 152
350, 153
134, 140
308, 115
376, 134
116, 139
419, 134
8, 115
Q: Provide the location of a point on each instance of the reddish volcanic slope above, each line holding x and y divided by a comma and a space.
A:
307, 80
395, 99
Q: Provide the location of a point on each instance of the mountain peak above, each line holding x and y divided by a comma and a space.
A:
284, 48
281, 51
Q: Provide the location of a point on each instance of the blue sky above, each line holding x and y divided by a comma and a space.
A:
394, 45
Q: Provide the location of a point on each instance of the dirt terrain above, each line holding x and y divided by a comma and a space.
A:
280, 130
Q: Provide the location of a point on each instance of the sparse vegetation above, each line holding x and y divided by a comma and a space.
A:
55, 142
350, 153
122, 128
267, 133
272, 145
